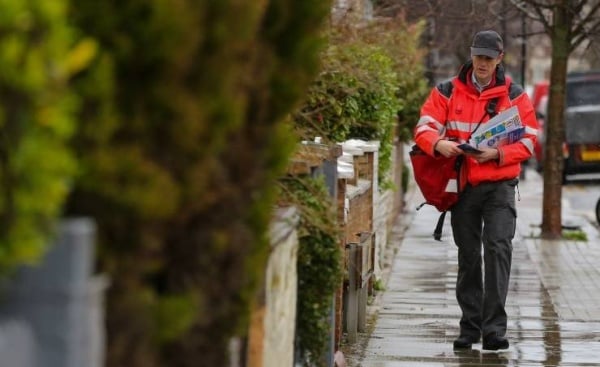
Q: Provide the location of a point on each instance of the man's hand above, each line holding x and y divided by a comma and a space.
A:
448, 148
488, 154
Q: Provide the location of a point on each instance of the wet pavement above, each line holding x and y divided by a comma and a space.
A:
553, 303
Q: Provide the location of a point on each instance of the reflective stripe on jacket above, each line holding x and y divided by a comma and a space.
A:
455, 107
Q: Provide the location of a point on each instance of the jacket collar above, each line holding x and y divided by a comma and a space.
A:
467, 68
498, 84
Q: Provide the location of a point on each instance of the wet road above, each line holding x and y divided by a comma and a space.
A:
553, 302
582, 197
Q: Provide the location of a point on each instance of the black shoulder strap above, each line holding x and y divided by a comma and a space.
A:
490, 108
437, 233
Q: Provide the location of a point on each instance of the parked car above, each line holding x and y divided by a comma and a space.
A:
582, 124
581, 149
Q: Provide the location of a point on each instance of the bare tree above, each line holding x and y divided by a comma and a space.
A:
451, 25
569, 23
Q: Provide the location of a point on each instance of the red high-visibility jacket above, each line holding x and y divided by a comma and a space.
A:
455, 107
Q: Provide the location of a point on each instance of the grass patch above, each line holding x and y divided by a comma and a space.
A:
575, 235
378, 285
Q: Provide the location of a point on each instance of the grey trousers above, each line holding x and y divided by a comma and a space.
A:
485, 214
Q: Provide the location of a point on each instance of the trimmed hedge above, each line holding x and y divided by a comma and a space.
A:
370, 87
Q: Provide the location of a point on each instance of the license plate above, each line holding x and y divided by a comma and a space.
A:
590, 153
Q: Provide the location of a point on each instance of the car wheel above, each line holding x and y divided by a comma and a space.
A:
566, 169
598, 211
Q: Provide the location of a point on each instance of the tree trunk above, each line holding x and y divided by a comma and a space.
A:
555, 129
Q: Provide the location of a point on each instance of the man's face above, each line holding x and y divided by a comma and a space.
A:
484, 66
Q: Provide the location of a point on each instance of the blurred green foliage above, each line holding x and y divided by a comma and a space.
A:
178, 114
401, 40
182, 138
319, 264
370, 87
353, 98
38, 54
354, 94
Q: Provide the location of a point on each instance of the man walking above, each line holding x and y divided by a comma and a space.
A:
485, 213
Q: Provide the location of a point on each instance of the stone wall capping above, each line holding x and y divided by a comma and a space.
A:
362, 187
345, 170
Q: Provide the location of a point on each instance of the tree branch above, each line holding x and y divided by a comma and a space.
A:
586, 34
533, 10
580, 29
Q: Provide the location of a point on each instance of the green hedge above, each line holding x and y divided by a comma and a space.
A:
182, 140
319, 264
354, 97
38, 53
370, 77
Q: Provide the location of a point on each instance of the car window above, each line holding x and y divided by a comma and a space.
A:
583, 93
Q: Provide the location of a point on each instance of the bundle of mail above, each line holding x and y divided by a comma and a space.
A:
504, 128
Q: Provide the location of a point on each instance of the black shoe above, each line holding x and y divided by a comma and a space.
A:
494, 342
465, 342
